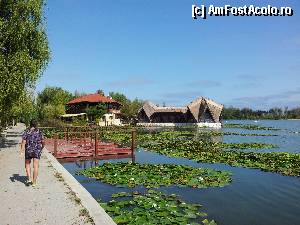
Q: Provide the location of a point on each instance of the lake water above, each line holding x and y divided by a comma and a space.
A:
253, 198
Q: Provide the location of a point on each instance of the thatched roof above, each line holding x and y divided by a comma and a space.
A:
150, 109
197, 108
171, 109
214, 108
194, 107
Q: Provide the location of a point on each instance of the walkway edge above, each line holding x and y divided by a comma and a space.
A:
100, 217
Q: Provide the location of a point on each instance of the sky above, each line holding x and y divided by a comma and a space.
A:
154, 50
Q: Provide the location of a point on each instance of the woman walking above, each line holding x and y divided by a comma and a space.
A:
32, 144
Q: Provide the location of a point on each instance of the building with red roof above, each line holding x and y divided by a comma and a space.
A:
79, 106
93, 98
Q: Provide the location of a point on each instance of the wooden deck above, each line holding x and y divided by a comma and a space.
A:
82, 144
86, 149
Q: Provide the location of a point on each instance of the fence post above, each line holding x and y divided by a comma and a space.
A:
91, 137
133, 144
96, 145
84, 136
55, 145
67, 133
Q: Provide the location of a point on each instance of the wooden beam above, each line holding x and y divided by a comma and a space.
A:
133, 144
96, 144
55, 145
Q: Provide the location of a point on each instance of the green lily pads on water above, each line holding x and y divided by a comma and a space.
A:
150, 175
279, 162
154, 207
249, 126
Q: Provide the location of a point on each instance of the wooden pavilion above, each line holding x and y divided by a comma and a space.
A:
202, 111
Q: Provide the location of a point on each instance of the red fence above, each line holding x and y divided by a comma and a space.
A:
70, 145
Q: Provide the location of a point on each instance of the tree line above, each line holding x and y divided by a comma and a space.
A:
273, 113
51, 103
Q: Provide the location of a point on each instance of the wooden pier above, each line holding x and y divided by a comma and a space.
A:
87, 146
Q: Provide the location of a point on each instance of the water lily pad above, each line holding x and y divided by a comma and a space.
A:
149, 175
154, 207
205, 151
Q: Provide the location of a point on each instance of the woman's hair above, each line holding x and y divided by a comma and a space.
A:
33, 123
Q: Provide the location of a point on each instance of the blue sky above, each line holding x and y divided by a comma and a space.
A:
154, 50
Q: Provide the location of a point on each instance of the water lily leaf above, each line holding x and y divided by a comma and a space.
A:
207, 222
154, 176
152, 207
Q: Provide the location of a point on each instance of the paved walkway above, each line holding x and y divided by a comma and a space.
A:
51, 203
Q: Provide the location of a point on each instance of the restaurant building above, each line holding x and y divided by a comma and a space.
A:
202, 112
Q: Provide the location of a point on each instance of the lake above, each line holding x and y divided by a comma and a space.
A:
253, 198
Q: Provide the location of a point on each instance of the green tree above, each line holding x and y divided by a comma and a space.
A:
100, 92
273, 113
79, 94
51, 102
25, 110
129, 108
96, 112
24, 51
54, 96
135, 105
119, 97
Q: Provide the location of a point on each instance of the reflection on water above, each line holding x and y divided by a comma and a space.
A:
253, 198
86, 164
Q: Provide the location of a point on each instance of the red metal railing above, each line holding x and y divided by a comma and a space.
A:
82, 144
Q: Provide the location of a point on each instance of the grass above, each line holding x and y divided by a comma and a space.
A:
74, 197
59, 176
85, 213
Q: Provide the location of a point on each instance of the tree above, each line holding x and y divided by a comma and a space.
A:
25, 110
273, 113
54, 96
119, 97
24, 51
79, 94
96, 112
100, 91
51, 102
129, 108
135, 105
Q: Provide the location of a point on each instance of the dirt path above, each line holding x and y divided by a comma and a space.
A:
51, 203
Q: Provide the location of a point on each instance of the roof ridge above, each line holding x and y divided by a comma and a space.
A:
94, 98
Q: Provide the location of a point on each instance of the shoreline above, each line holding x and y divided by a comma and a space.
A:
97, 213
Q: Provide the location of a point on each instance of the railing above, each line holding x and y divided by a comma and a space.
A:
91, 139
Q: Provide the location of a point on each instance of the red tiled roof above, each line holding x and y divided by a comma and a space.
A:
93, 98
